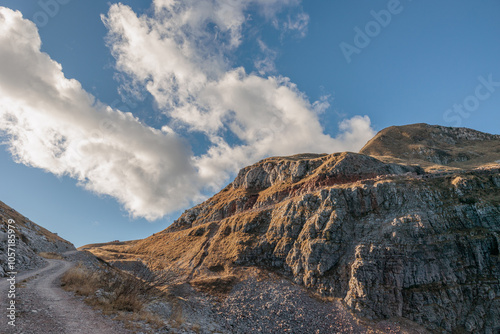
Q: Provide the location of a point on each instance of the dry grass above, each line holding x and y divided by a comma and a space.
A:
81, 281
113, 292
196, 328
400, 144
125, 295
51, 255
215, 286
177, 318
111, 251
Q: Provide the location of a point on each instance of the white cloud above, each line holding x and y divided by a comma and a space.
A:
180, 56
298, 23
265, 65
185, 67
53, 124
186, 44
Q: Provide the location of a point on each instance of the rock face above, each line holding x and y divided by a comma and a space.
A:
30, 238
388, 239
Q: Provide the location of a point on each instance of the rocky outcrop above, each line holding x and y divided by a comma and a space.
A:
30, 240
377, 235
424, 253
276, 179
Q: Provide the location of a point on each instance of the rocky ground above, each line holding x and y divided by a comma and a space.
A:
275, 305
265, 303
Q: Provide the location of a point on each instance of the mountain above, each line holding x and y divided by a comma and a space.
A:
432, 145
407, 229
30, 240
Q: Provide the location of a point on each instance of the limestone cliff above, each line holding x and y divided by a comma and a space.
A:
389, 239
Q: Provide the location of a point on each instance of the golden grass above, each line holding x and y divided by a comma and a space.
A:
396, 144
51, 255
124, 296
296, 157
113, 251
112, 292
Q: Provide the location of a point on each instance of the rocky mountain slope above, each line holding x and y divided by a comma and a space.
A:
30, 240
390, 240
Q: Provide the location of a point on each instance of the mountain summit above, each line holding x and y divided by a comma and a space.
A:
409, 228
429, 145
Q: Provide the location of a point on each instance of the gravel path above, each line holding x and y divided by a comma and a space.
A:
43, 307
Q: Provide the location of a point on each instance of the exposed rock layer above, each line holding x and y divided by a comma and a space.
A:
30, 239
386, 239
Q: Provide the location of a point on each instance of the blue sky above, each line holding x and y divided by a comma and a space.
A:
215, 89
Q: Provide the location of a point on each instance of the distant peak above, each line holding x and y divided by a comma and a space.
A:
435, 144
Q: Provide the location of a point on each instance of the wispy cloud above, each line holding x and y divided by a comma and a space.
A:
179, 55
299, 24
265, 64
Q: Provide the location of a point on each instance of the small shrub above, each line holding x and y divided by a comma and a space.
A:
117, 291
113, 291
81, 281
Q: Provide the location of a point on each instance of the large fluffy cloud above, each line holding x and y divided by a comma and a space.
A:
179, 55
53, 124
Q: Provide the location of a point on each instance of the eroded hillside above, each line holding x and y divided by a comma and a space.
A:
31, 239
390, 240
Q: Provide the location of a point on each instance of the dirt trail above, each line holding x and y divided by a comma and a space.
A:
43, 307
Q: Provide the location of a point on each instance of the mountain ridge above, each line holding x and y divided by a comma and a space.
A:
407, 235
